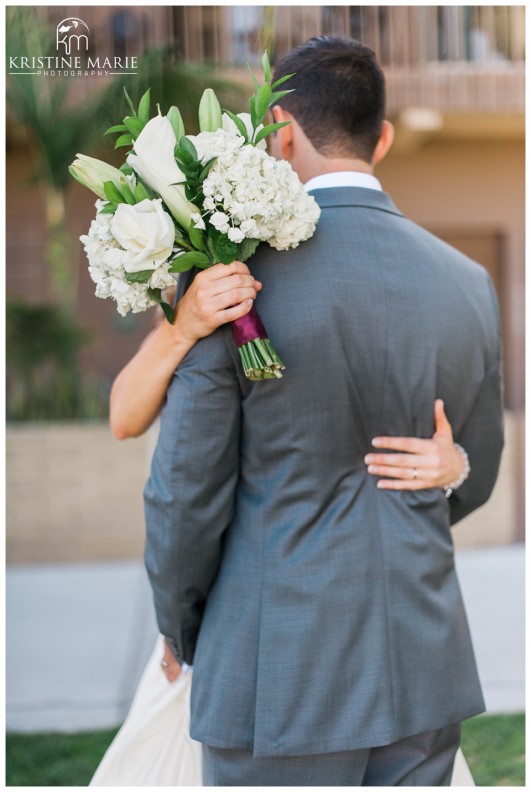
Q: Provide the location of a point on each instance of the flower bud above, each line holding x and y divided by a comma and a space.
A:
174, 117
93, 173
209, 112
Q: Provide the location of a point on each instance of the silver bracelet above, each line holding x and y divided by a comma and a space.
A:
453, 485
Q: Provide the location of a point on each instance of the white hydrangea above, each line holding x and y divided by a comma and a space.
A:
107, 267
225, 139
249, 194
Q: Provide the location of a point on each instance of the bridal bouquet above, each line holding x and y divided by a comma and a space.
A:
183, 201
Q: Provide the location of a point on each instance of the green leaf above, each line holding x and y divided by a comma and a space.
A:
242, 129
247, 248
196, 237
262, 101
142, 193
189, 260
176, 121
109, 208
112, 193
253, 78
266, 67
127, 169
206, 169
129, 102
252, 110
156, 295
278, 95
143, 107
283, 80
225, 250
185, 166
123, 140
134, 126
116, 128
182, 156
187, 146
127, 192
268, 129
138, 277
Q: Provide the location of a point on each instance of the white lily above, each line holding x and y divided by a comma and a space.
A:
93, 173
154, 162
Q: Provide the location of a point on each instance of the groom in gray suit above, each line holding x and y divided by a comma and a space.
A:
323, 615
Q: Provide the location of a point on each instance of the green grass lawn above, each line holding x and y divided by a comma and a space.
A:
493, 746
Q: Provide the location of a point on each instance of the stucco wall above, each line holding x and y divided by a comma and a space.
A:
473, 186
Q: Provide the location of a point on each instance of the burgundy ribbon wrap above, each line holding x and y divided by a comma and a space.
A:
247, 328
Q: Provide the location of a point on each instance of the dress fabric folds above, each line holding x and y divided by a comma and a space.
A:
154, 747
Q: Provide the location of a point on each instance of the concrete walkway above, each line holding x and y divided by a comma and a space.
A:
78, 637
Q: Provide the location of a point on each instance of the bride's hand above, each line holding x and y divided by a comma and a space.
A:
169, 664
423, 464
217, 295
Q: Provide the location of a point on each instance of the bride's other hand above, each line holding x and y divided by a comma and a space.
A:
422, 464
169, 664
217, 295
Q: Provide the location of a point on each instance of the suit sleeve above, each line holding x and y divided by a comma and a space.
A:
189, 498
482, 435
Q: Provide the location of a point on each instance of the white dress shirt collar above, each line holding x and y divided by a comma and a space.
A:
343, 179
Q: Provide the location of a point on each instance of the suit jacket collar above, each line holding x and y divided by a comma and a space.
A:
354, 196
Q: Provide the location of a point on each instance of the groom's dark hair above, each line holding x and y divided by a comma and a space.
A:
339, 96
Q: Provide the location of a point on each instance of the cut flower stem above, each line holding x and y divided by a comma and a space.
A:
260, 361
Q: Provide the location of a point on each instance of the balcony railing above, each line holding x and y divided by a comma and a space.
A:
452, 58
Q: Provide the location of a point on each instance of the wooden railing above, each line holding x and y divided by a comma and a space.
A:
400, 35
453, 58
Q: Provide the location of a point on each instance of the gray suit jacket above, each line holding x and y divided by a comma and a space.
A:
322, 614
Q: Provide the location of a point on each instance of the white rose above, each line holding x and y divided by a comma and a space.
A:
146, 232
154, 162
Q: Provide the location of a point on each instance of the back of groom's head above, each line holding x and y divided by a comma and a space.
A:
339, 96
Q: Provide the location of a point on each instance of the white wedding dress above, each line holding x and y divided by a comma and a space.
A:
154, 747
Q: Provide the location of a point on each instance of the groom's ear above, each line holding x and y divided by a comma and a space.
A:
385, 142
282, 139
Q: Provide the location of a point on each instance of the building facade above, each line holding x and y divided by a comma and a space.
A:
455, 85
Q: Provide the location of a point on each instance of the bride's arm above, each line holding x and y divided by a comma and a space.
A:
216, 296
423, 464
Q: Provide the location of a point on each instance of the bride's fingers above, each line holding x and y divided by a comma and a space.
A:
231, 282
442, 424
409, 484
217, 271
234, 312
412, 472
412, 445
426, 460
230, 298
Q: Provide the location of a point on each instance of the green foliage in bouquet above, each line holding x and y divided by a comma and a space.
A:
209, 247
195, 216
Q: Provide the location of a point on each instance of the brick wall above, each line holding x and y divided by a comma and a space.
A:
74, 493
